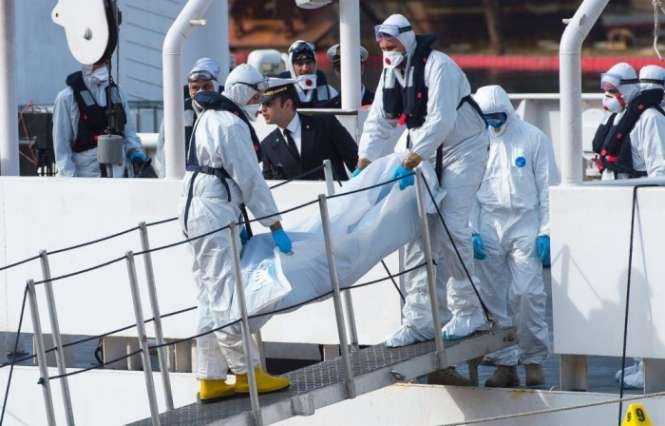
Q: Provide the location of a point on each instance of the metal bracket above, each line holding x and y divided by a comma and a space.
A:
442, 360
397, 376
303, 405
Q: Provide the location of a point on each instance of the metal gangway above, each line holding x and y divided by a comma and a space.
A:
355, 372
328, 382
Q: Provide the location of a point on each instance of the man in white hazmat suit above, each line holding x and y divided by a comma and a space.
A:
631, 143
80, 116
427, 91
511, 235
222, 173
204, 76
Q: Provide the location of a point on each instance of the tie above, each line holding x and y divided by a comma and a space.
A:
291, 144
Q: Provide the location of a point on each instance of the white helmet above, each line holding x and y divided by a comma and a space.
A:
268, 61
334, 53
652, 77
243, 83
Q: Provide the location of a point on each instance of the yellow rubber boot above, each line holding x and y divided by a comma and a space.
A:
264, 382
214, 390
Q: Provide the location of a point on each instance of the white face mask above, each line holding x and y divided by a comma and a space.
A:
307, 81
252, 111
100, 75
392, 59
612, 104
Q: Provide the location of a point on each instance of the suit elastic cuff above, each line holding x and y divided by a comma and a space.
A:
271, 220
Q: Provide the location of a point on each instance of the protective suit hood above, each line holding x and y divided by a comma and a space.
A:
493, 99
407, 38
205, 66
97, 78
243, 83
300, 48
652, 77
622, 77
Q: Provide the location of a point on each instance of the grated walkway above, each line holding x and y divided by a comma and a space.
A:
322, 384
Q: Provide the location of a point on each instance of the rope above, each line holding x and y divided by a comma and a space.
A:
378, 280
161, 222
367, 188
152, 250
555, 410
385, 266
149, 224
191, 308
242, 222
118, 259
98, 240
20, 262
94, 367
83, 271
628, 282
392, 278
11, 369
459, 256
285, 309
118, 330
300, 176
99, 336
70, 248
112, 261
657, 4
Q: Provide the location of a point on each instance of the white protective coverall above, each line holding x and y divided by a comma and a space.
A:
649, 144
221, 140
65, 126
512, 211
463, 136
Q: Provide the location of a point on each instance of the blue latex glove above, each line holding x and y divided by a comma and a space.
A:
407, 176
138, 157
356, 172
478, 247
543, 249
243, 236
282, 241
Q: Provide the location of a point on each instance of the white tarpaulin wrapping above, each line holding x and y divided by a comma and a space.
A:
366, 227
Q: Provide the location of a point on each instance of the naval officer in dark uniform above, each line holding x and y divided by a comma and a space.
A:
301, 142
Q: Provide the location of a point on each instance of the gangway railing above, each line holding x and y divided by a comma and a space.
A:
336, 293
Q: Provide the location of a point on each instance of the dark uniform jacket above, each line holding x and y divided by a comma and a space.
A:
322, 137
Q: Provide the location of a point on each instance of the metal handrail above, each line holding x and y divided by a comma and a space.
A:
244, 320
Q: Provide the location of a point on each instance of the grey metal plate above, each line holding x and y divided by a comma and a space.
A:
309, 379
